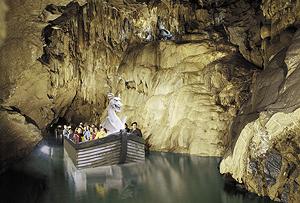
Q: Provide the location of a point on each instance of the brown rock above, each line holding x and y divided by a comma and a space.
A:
3, 10
18, 137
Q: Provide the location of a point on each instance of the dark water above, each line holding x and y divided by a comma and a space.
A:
47, 175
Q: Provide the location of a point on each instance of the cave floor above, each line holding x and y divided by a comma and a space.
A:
48, 175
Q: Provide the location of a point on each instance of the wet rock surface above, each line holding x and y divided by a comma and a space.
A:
18, 137
272, 165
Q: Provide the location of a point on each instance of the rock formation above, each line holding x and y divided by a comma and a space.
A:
188, 93
146, 73
3, 9
226, 84
265, 156
24, 82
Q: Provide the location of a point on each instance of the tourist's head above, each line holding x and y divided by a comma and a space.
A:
79, 130
96, 130
65, 127
134, 125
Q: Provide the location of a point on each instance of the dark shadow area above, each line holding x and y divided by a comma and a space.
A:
235, 189
262, 96
57, 124
19, 186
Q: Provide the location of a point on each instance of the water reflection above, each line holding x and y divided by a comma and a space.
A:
163, 177
108, 182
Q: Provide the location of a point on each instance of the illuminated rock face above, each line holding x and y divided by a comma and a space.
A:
25, 106
166, 75
265, 156
184, 96
60, 58
196, 94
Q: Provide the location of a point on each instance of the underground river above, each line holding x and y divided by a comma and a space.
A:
48, 175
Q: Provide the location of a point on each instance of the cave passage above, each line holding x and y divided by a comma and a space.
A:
205, 78
48, 175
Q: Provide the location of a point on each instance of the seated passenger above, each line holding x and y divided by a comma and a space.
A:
65, 131
71, 134
101, 133
86, 133
91, 133
79, 134
76, 136
96, 130
126, 128
135, 130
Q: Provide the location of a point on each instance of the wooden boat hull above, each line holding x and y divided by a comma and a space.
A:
114, 149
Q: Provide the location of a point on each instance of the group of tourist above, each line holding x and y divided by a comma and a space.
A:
83, 133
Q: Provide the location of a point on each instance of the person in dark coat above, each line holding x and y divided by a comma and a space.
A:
135, 130
126, 128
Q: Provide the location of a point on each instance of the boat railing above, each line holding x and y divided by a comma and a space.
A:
117, 148
124, 136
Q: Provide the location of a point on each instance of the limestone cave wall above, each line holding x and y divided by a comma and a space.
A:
227, 84
186, 95
124, 56
265, 155
26, 107
61, 60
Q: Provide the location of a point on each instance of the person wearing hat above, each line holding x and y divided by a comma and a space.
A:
135, 130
